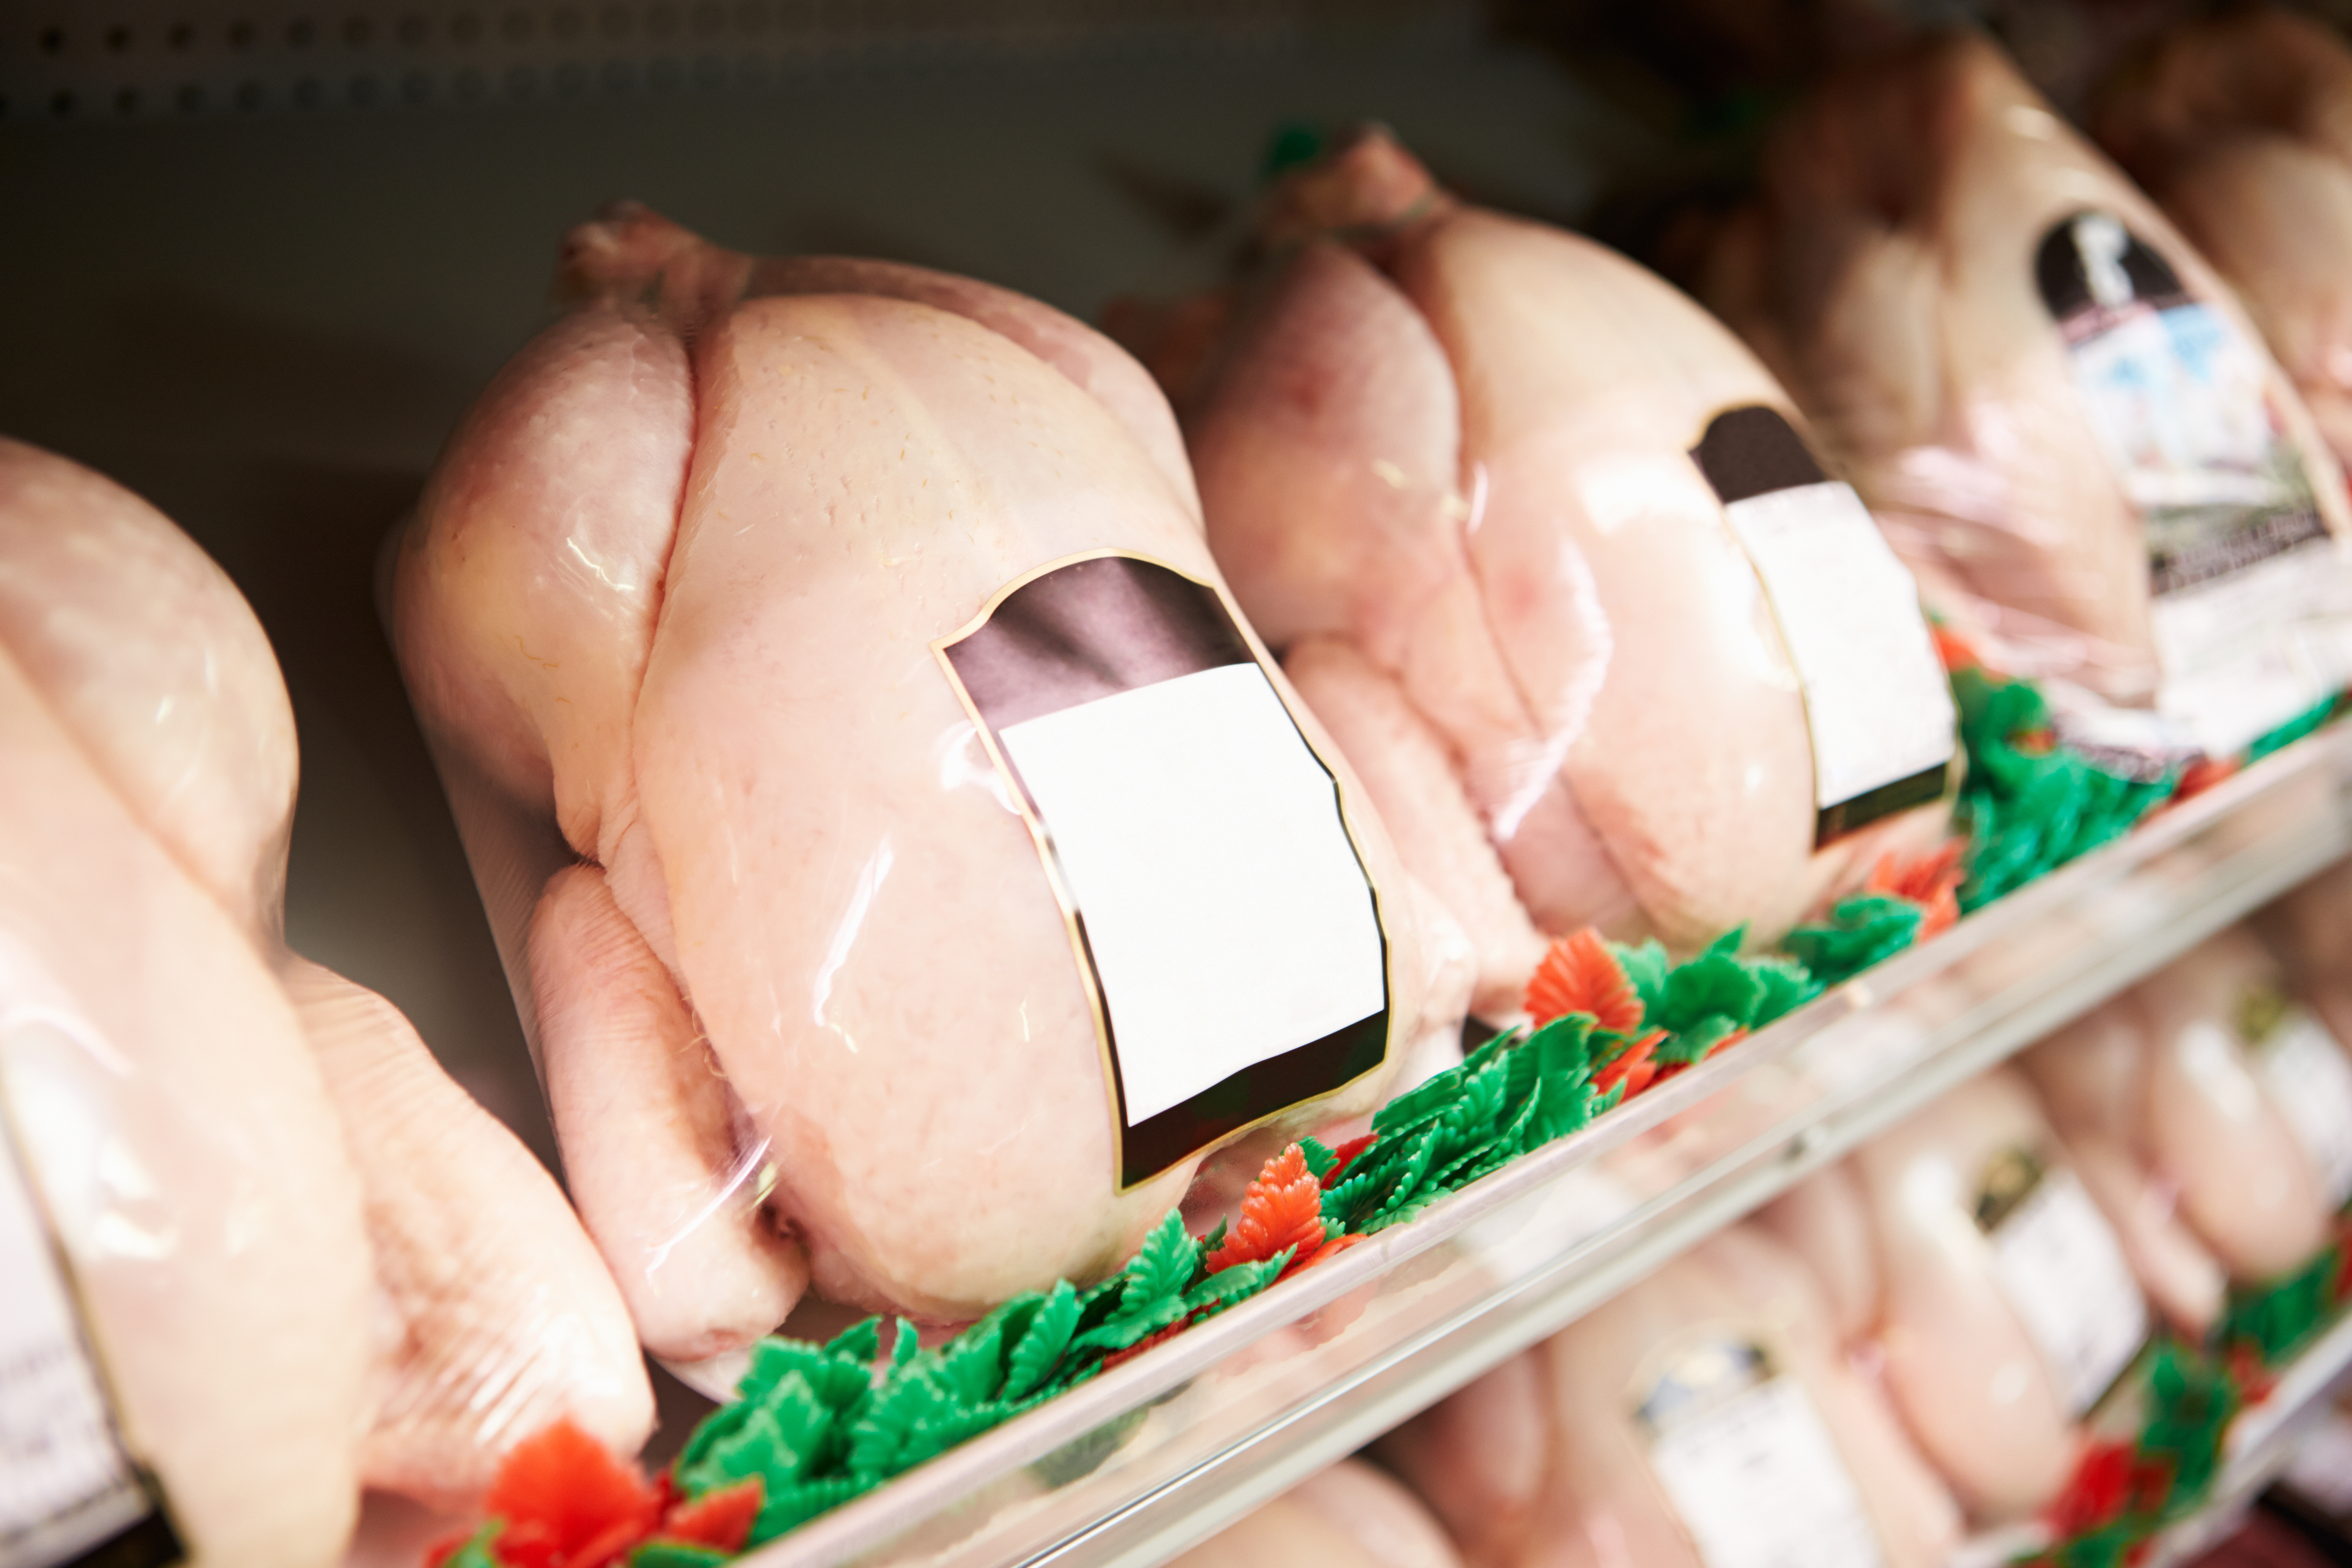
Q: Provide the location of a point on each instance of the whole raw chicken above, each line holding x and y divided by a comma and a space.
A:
2050, 403
259, 1356
2004, 1307
2241, 126
1349, 1516
1701, 1417
2212, 1084
1504, 497
679, 610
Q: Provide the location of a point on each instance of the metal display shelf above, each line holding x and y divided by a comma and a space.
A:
1147, 1460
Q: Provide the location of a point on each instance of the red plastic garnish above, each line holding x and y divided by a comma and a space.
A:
2246, 1369
1579, 974
2094, 1493
2038, 742
2203, 775
568, 1502
1145, 1343
1284, 1207
1726, 1043
1331, 1248
1346, 1152
721, 1519
1636, 1065
1953, 649
1932, 880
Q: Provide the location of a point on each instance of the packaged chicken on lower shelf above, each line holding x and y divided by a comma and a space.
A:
1704, 1418
909, 862
2241, 126
1964, 1258
1552, 555
2055, 409
256, 1249
1351, 1516
2211, 1091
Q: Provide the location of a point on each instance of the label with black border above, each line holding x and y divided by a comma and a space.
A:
2251, 614
71, 1494
1752, 1471
1226, 927
1876, 701
2063, 1273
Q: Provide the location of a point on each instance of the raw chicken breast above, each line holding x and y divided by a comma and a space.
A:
493, 1314
1349, 1516
2009, 1308
1655, 1425
2241, 126
2224, 1091
1452, 462
2053, 407
168, 1111
679, 611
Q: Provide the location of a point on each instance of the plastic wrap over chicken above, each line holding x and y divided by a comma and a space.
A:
2221, 1095
1349, 1516
2241, 127
222, 1144
1704, 1418
909, 862
1963, 1251
1549, 553
2054, 408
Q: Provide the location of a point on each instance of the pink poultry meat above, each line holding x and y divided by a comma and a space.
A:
2219, 1087
2241, 126
2050, 403
492, 1314
768, 618
1349, 1516
1546, 549
1702, 1420
2007, 1307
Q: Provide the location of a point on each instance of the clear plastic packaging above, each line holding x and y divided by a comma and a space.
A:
2054, 408
1967, 1259
908, 863
1349, 1516
2220, 1094
2241, 126
1702, 1418
307, 1262
1547, 549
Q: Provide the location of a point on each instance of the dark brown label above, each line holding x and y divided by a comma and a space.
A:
1148, 747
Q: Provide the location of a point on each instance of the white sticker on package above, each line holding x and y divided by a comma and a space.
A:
2062, 1271
2311, 1083
65, 1485
1756, 1480
1875, 695
1227, 913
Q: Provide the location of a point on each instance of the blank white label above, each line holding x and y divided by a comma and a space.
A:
2311, 1083
1757, 1482
64, 1484
1876, 696
1229, 918
2064, 1273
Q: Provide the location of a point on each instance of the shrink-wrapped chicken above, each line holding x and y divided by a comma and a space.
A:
1349, 1516
1702, 1418
223, 1137
2241, 126
2053, 407
907, 862
1548, 552
1965, 1250
2214, 1089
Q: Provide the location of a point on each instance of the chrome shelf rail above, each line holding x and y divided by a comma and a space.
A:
1145, 1462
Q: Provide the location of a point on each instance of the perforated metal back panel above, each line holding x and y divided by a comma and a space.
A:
102, 59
